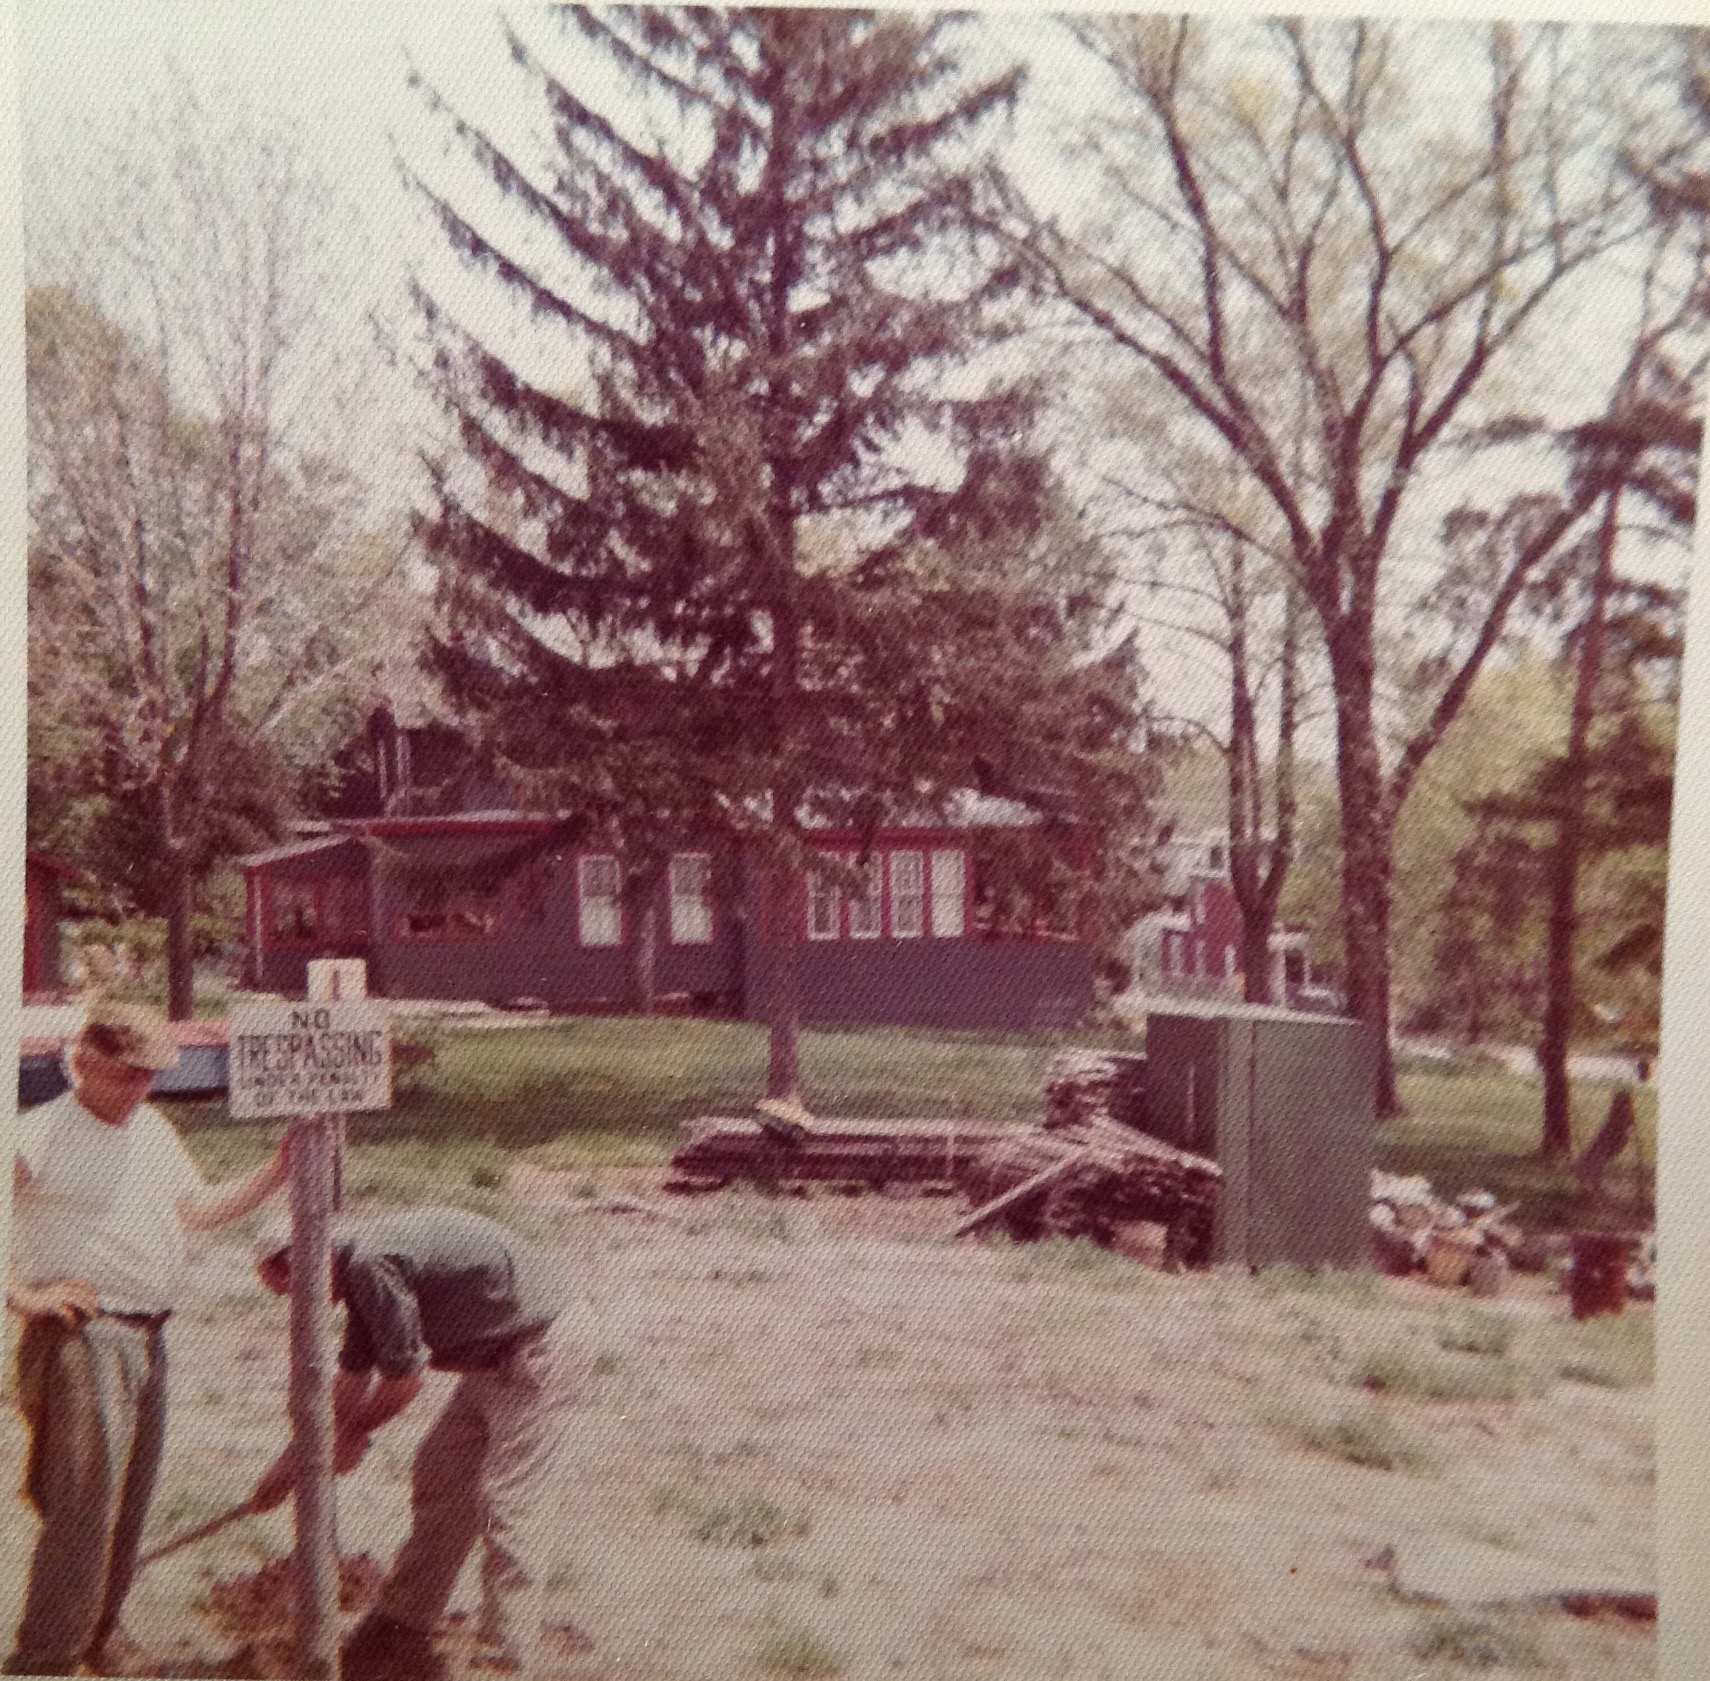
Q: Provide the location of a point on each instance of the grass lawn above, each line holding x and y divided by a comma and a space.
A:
1475, 1127
596, 1091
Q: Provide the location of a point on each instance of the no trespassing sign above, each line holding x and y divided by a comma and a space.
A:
304, 1059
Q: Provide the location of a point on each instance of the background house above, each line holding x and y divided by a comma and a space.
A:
504, 906
1191, 947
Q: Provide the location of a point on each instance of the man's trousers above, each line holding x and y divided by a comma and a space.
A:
483, 1473
95, 1403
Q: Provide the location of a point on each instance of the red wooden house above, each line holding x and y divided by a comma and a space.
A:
494, 906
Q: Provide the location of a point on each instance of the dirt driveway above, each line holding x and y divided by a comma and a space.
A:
819, 1438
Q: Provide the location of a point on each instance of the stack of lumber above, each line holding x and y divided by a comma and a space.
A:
719, 1149
1089, 1178
1081, 1083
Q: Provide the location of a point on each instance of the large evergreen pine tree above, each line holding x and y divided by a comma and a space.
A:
787, 552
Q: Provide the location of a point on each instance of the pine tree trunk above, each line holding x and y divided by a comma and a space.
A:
641, 911
643, 958
1365, 854
783, 991
1565, 856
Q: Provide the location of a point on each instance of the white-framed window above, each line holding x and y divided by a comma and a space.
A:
865, 903
949, 881
908, 895
824, 905
599, 905
691, 899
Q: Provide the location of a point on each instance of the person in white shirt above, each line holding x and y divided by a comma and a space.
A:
103, 1194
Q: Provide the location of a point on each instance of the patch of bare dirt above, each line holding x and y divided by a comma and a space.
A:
818, 1437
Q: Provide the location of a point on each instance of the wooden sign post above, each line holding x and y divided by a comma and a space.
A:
316, 1559
312, 1062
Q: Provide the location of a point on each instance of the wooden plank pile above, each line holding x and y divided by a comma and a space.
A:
1090, 1177
1081, 1083
853, 1155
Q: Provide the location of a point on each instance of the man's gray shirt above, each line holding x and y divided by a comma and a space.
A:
440, 1287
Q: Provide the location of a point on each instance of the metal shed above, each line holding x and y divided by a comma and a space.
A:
1286, 1104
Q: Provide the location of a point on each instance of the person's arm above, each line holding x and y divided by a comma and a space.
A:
68, 1300
360, 1407
202, 1212
361, 1404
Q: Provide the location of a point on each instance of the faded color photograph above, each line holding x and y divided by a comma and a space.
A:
846, 841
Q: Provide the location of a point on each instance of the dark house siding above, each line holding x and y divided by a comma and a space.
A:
489, 909
535, 949
1015, 985
334, 882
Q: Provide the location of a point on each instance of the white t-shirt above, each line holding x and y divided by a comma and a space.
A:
101, 1203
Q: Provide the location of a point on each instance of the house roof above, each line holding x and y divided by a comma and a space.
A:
451, 823
968, 810
965, 811
292, 849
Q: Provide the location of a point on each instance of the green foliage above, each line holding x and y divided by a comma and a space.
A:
729, 1519
587, 1092
715, 587
795, 1652
1418, 1374
1360, 1435
190, 616
1476, 1331
1467, 937
1478, 1129
1472, 1640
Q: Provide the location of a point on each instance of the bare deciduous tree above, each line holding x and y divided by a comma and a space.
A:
198, 576
1282, 209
